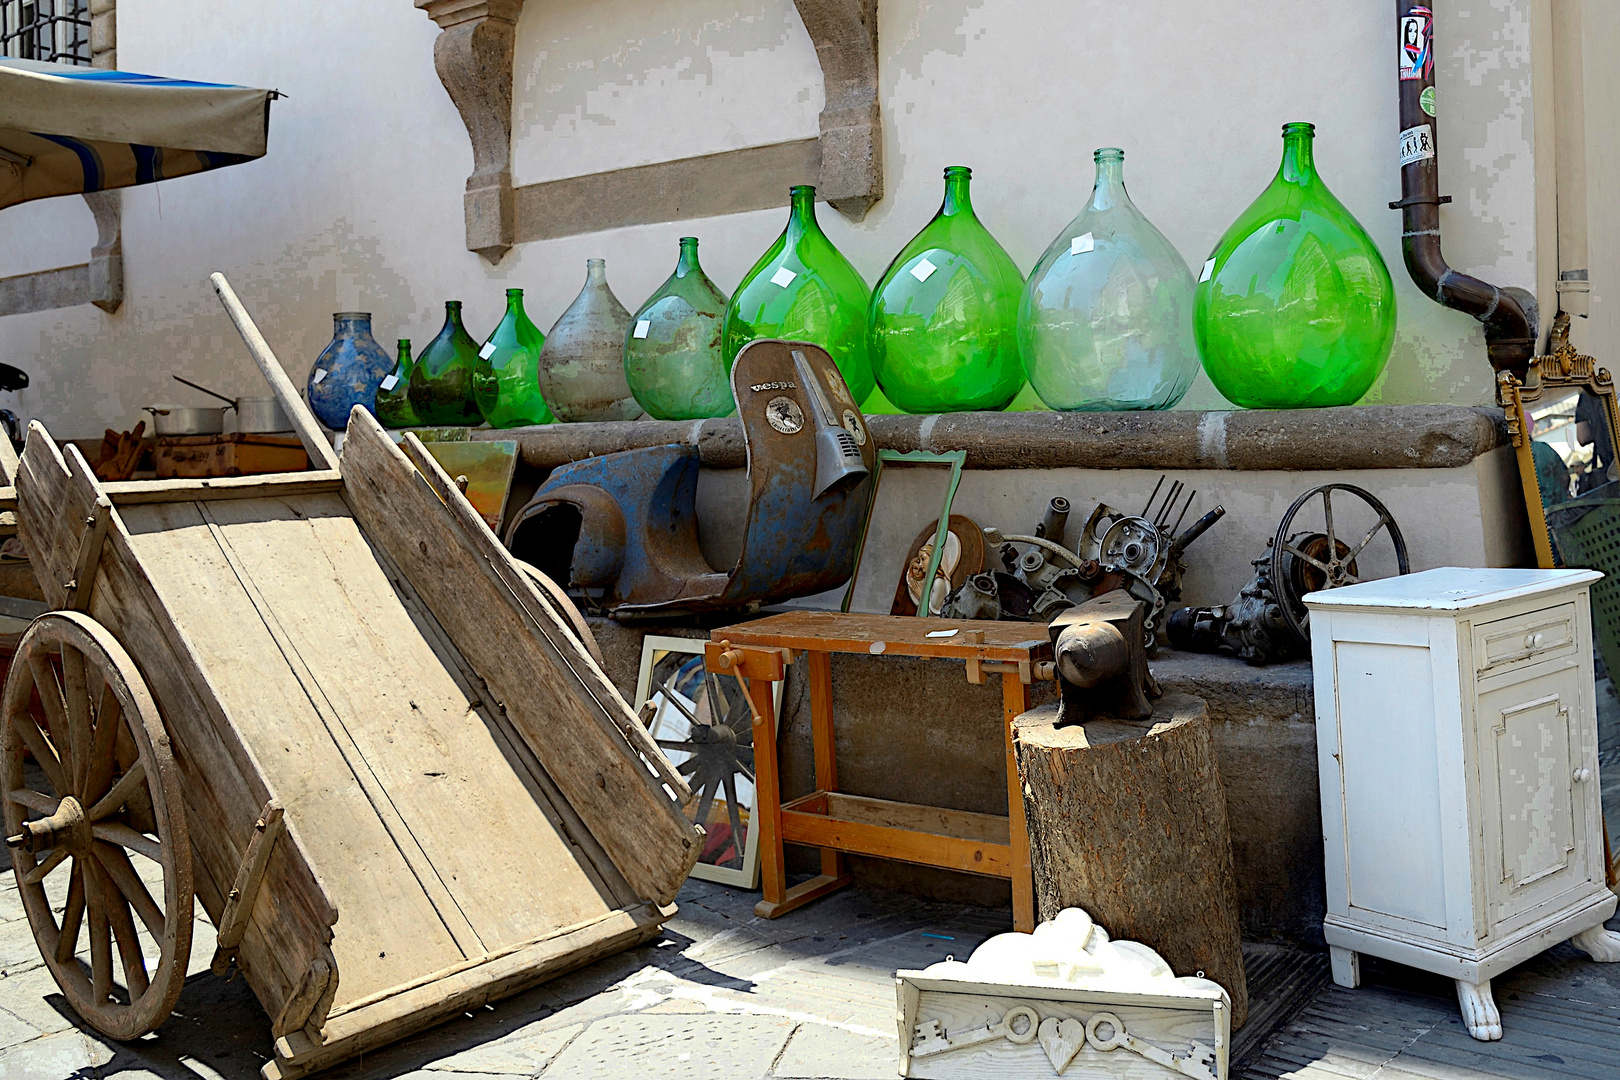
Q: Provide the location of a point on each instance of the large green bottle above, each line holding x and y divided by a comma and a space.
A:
674, 355
1106, 319
393, 393
1295, 307
803, 289
442, 382
944, 319
506, 381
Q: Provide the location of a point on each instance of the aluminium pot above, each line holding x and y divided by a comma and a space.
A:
261, 416
187, 419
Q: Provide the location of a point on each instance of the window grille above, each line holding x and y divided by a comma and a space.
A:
55, 31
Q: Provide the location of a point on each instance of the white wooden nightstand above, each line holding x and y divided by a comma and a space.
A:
1456, 735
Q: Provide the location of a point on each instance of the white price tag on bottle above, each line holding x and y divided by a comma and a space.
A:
1209, 271
487, 351
923, 270
320, 373
783, 277
642, 326
1082, 244
390, 381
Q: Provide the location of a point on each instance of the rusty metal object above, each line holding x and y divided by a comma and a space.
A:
622, 528
1101, 656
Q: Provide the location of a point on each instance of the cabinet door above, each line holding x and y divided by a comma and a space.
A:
1534, 813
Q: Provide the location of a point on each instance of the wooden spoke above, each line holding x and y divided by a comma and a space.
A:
34, 800
677, 744
117, 833
102, 761
78, 715
129, 943
92, 724
100, 937
122, 872
132, 781
43, 870
67, 942
705, 804
50, 697
735, 818
44, 753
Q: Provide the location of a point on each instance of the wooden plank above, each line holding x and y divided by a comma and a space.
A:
398, 1015
915, 817
572, 718
223, 783
287, 396
266, 485
245, 889
767, 817
430, 759
819, 667
392, 930
900, 635
892, 842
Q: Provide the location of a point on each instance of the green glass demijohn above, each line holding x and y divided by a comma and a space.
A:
803, 289
393, 393
441, 383
674, 355
1106, 319
1295, 308
506, 381
944, 319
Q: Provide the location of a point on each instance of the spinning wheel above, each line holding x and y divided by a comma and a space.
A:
720, 747
1307, 562
75, 700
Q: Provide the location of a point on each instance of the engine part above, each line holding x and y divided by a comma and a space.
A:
1101, 659
1268, 621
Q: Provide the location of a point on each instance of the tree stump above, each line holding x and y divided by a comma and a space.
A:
1127, 819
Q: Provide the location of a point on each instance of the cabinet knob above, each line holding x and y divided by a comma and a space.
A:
1582, 775
1533, 641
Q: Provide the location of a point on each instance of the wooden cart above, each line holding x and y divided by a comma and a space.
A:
332, 704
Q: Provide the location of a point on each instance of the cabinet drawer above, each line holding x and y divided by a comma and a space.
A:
1507, 644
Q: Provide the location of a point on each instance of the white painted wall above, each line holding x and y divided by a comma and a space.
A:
358, 204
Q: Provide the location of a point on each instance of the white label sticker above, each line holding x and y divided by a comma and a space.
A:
923, 269
783, 277
642, 326
1082, 244
320, 373
1417, 144
941, 633
390, 381
1209, 271
487, 351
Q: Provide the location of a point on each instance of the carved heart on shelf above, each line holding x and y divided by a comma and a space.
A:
1062, 1039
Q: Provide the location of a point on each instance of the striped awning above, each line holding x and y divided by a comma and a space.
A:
66, 130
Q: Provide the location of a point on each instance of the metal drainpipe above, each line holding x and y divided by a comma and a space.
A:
1509, 315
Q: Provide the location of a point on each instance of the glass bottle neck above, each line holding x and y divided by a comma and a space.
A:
1298, 164
1109, 190
452, 314
688, 263
514, 302
957, 198
802, 214
595, 271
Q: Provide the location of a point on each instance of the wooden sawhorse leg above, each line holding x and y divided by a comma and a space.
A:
778, 898
1015, 701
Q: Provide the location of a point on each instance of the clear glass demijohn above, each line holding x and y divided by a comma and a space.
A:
1106, 319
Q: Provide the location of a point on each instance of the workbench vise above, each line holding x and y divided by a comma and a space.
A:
1101, 660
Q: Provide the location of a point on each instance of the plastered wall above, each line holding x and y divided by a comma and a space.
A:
358, 204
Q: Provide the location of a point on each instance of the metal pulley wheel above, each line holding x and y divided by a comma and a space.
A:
1135, 545
1307, 562
110, 789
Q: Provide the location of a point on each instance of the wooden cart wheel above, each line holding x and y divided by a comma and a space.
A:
75, 700
565, 607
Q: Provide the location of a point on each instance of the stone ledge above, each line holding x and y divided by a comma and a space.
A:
1353, 437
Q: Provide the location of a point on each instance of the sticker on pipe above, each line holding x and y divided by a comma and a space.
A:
1417, 144
1417, 44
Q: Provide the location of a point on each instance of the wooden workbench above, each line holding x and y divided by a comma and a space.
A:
837, 822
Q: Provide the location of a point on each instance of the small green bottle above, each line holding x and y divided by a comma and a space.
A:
506, 381
944, 319
393, 393
674, 355
803, 289
1295, 307
442, 382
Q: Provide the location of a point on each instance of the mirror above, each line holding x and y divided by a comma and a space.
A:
1563, 421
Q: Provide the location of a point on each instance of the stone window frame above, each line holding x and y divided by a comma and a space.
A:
101, 280
473, 55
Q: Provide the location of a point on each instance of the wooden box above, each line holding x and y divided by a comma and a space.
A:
236, 454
